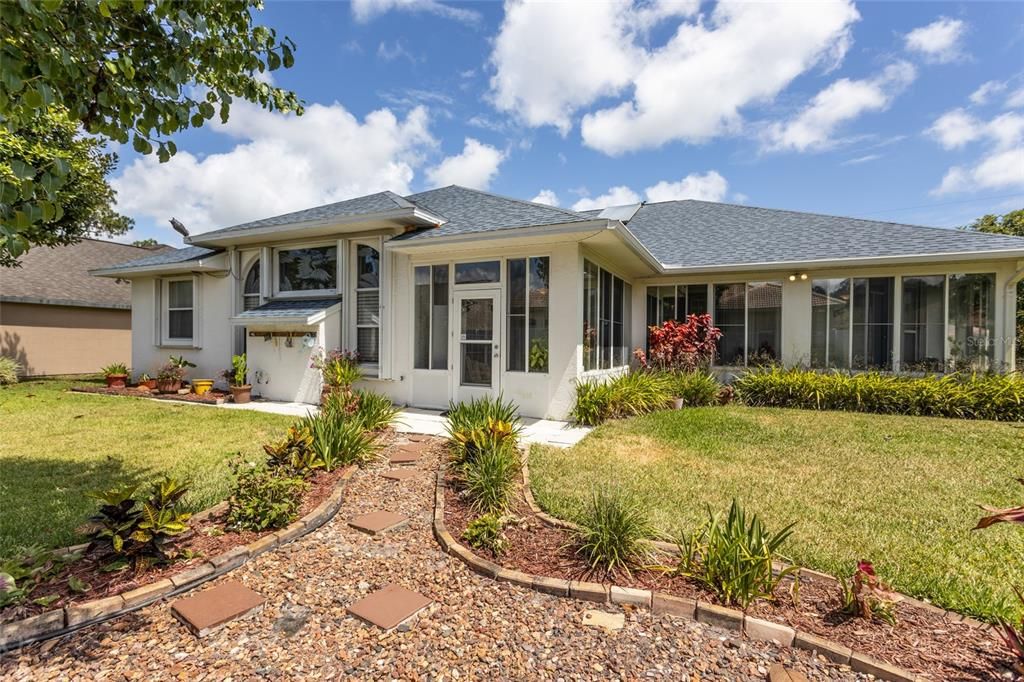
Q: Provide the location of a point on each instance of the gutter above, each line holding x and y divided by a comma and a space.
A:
845, 262
196, 265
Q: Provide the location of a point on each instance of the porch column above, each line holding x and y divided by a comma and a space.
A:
796, 322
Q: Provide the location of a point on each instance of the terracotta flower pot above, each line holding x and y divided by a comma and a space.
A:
677, 403
148, 384
168, 386
241, 394
116, 380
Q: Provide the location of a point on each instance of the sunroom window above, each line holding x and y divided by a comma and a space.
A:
431, 317
675, 302
607, 302
313, 270
923, 323
367, 291
972, 318
528, 314
873, 312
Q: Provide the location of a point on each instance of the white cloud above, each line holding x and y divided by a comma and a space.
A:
366, 10
693, 88
861, 159
475, 166
710, 186
985, 92
1015, 100
939, 41
397, 50
839, 103
280, 163
1002, 163
546, 196
616, 196
550, 59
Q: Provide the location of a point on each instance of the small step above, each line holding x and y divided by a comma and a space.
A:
207, 611
389, 607
378, 522
404, 456
400, 474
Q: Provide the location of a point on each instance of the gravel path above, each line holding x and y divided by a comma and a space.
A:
477, 628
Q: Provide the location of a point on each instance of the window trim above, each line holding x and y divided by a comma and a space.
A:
163, 339
275, 283
372, 369
525, 315
255, 262
627, 293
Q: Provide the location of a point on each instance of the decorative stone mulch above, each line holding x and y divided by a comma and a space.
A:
211, 397
475, 627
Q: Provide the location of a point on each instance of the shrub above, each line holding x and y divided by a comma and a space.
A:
337, 441
968, 396
114, 368
467, 416
338, 368
140, 529
613, 534
681, 346
626, 395
27, 568
375, 411
489, 478
486, 532
697, 389
733, 557
9, 370
294, 454
263, 498
867, 597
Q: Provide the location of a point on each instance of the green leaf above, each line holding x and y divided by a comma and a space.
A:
118, 543
104, 9
22, 170
141, 145
47, 600
34, 99
206, 109
78, 585
61, 166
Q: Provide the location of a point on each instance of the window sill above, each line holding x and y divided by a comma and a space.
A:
184, 345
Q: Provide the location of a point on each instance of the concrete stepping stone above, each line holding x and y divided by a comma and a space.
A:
210, 609
404, 456
602, 619
378, 522
400, 474
389, 607
780, 673
417, 437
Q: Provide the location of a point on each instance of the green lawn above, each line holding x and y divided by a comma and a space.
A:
55, 446
899, 491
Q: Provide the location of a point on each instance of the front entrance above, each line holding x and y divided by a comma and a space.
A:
477, 344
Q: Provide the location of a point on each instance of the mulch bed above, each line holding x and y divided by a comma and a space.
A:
211, 397
923, 642
206, 538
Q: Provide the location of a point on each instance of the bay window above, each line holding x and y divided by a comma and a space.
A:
312, 270
431, 317
367, 303
527, 314
607, 304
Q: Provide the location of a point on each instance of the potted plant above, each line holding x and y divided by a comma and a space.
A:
116, 375
241, 392
168, 379
201, 386
147, 382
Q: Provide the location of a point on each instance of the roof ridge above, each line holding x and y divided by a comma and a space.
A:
502, 196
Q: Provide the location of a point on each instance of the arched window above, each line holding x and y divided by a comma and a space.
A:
251, 290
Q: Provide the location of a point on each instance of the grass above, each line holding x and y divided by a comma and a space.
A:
57, 446
899, 491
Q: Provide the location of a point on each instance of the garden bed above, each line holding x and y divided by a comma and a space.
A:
212, 397
926, 640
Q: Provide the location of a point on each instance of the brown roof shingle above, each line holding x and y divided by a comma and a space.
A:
60, 275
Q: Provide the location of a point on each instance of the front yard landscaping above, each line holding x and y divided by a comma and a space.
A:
57, 446
901, 492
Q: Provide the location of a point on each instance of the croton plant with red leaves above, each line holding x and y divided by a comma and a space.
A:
685, 346
1012, 634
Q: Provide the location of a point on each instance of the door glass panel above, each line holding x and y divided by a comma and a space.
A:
477, 319
476, 364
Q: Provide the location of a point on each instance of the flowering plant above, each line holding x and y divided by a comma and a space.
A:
339, 368
685, 346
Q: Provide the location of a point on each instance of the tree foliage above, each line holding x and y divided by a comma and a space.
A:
1012, 224
133, 71
79, 203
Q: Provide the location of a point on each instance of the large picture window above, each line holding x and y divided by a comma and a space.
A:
607, 303
830, 323
367, 294
528, 282
312, 269
431, 317
675, 302
179, 311
972, 318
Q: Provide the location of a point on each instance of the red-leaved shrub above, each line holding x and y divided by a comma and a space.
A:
684, 346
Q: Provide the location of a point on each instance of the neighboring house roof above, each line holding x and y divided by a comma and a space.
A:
699, 234
304, 311
470, 210
59, 275
169, 256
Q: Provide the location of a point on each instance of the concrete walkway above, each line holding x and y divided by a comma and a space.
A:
430, 422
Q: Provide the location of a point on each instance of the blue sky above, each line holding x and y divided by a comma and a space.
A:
910, 112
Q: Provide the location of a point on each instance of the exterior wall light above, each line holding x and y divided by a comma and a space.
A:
802, 276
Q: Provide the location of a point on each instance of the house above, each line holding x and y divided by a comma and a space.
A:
55, 318
454, 293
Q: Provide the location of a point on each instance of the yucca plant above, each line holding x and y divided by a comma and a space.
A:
614, 534
489, 478
375, 411
733, 557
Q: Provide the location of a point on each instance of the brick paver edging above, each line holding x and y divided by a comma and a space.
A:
65, 620
691, 609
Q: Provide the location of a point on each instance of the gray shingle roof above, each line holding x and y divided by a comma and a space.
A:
371, 203
470, 210
168, 257
286, 308
695, 234
59, 275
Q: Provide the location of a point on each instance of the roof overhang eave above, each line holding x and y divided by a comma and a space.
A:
945, 257
198, 265
399, 218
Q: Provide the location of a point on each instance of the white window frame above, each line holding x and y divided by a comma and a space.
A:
175, 342
430, 318
627, 294
526, 315
371, 368
252, 262
275, 262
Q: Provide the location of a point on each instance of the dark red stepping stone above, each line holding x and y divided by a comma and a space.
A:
205, 612
389, 607
378, 522
405, 457
400, 474
418, 437
415, 446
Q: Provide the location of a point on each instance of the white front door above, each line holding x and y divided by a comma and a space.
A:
477, 344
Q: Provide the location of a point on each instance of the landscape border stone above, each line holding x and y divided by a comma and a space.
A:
711, 614
68, 619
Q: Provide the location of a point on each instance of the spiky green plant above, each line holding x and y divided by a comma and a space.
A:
375, 411
614, 533
489, 478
